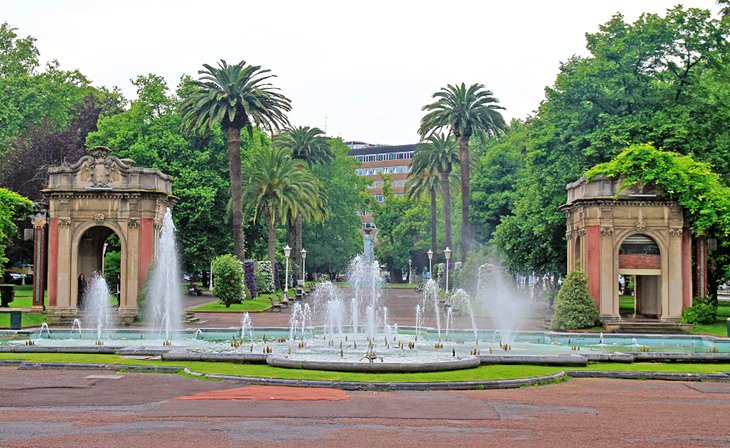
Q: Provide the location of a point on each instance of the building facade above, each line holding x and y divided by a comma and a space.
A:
379, 161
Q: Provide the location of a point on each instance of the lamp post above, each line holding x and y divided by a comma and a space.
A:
410, 271
430, 257
304, 264
447, 254
287, 252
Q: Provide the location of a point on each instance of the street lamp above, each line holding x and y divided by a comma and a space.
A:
430, 257
304, 264
447, 254
287, 252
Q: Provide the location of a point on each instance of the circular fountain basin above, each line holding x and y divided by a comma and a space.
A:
377, 366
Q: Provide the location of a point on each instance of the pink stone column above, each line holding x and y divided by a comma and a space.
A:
52, 262
593, 261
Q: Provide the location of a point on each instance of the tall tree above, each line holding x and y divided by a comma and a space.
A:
276, 184
235, 97
311, 146
424, 182
440, 153
464, 111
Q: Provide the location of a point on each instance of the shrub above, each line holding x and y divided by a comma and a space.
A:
228, 283
264, 277
574, 308
701, 312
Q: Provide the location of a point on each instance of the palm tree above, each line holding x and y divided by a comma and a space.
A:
311, 146
440, 153
236, 97
463, 111
279, 186
421, 183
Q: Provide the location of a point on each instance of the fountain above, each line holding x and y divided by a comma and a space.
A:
347, 329
495, 292
98, 306
163, 298
247, 327
76, 325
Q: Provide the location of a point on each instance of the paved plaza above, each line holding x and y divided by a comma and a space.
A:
78, 408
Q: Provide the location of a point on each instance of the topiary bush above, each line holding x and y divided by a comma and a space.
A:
574, 308
228, 283
701, 312
264, 277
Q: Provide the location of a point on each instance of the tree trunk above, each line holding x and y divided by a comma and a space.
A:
299, 239
233, 136
291, 234
464, 161
447, 207
271, 220
433, 221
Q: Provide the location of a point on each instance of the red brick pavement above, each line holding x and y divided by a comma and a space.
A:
78, 409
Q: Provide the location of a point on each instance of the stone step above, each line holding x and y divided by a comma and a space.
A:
647, 326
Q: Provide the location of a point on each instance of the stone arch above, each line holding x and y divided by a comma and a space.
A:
79, 233
101, 191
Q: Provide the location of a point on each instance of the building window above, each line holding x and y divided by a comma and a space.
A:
379, 197
391, 156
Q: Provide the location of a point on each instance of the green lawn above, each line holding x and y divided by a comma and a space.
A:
23, 299
495, 372
260, 303
626, 305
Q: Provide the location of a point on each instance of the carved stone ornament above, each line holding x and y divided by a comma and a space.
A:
675, 231
607, 230
582, 232
568, 234
640, 225
99, 218
64, 222
133, 222
38, 222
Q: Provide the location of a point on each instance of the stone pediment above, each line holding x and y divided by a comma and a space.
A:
102, 171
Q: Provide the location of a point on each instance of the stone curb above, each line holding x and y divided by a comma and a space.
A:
240, 358
559, 360
395, 386
664, 376
468, 362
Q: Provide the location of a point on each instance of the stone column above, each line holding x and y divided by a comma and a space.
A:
39, 262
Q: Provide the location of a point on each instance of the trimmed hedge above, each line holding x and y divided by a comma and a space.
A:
228, 283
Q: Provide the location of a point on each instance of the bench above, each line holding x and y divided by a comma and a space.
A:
16, 316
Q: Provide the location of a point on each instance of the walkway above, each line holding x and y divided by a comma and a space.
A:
89, 408
401, 305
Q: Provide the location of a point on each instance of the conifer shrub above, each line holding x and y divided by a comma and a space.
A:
228, 283
574, 308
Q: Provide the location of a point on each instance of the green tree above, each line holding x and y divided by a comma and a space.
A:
228, 285
332, 243
235, 97
659, 80
149, 133
464, 111
311, 146
276, 184
440, 153
12, 207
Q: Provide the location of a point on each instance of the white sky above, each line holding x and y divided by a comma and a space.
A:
368, 66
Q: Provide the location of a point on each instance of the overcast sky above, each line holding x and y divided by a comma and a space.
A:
362, 70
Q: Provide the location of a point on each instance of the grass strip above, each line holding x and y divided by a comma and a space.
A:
493, 372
